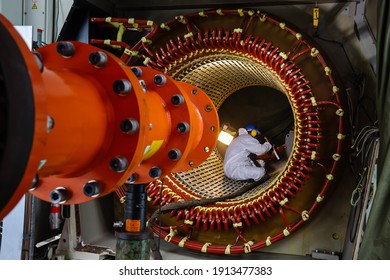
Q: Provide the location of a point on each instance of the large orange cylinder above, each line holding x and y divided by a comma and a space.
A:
73, 105
100, 123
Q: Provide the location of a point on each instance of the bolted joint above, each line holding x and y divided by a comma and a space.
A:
39, 59
155, 172
174, 154
177, 99
137, 71
183, 127
34, 183
160, 79
208, 108
66, 49
92, 188
119, 164
132, 178
59, 195
98, 59
118, 225
129, 126
143, 85
122, 87
49, 123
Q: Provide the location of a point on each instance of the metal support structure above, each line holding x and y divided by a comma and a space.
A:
133, 240
365, 33
129, 128
204, 4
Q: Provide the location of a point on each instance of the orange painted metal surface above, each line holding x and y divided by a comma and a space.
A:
109, 122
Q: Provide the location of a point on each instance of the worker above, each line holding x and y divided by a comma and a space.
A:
237, 163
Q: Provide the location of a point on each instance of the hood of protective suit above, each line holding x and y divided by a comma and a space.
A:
242, 131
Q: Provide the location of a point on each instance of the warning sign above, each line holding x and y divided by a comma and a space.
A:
133, 225
34, 7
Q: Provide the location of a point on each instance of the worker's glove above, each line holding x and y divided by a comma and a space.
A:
269, 146
261, 162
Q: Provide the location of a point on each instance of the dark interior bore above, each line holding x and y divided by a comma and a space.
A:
264, 107
3, 113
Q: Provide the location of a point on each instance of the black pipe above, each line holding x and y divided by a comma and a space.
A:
133, 241
135, 208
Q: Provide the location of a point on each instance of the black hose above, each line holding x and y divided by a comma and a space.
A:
193, 203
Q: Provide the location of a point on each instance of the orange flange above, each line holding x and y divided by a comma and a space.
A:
108, 124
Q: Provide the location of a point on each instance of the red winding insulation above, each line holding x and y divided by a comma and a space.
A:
306, 156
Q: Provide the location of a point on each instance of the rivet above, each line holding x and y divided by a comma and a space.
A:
208, 108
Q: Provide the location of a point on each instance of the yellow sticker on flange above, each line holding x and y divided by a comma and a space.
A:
151, 149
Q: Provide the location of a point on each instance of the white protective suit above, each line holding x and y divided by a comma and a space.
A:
237, 164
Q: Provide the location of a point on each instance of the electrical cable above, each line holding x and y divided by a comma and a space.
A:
202, 202
340, 45
159, 208
155, 248
363, 145
196, 43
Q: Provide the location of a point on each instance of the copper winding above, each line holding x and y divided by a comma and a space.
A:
237, 214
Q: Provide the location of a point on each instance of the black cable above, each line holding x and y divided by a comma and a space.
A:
155, 248
202, 202
340, 45
159, 214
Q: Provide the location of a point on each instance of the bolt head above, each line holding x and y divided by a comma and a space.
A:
177, 99
118, 164
98, 59
183, 127
92, 188
160, 79
129, 126
122, 87
155, 172
59, 195
66, 49
137, 71
174, 154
